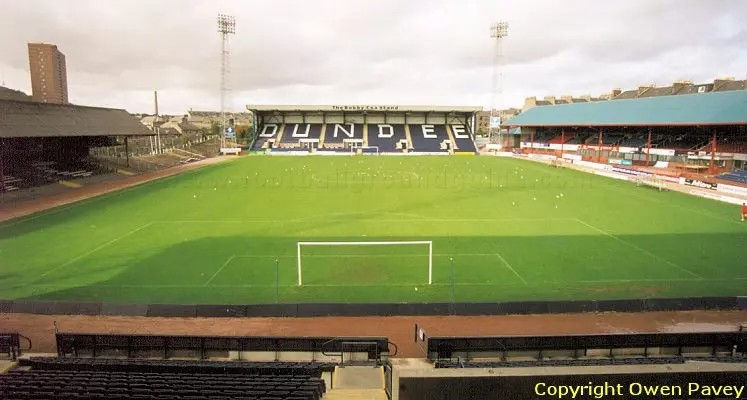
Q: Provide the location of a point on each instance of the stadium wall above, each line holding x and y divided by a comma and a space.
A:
306, 310
519, 387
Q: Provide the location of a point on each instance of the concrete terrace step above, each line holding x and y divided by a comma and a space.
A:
358, 377
355, 394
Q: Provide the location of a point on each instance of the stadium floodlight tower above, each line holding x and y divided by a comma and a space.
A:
498, 31
226, 26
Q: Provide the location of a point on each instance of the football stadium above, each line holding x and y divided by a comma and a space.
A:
585, 248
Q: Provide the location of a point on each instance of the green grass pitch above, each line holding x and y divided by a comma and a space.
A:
502, 230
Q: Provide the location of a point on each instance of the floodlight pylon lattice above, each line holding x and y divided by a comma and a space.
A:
226, 26
498, 31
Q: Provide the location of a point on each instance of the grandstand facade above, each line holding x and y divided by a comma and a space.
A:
364, 129
701, 132
44, 143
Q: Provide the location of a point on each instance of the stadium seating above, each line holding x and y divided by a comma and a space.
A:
587, 362
309, 368
39, 173
428, 138
293, 134
739, 176
87, 384
265, 134
639, 140
386, 136
336, 136
558, 140
463, 139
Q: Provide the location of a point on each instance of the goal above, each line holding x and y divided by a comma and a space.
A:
424, 243
650, 180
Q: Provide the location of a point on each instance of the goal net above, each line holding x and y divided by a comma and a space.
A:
365, 263
650, 180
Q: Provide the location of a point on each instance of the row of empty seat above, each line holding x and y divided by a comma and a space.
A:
22, 175
587, 362
307, 368
739, 176
86, 384
430, 138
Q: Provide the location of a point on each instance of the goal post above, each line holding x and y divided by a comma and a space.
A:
429, 243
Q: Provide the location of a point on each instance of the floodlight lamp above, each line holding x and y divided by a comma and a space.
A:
499, 30
226, 23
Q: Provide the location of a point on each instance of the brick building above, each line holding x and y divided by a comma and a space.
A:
48, 73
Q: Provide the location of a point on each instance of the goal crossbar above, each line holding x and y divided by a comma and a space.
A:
369, 243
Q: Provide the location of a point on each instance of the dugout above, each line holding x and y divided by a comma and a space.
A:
35, 136
705, 131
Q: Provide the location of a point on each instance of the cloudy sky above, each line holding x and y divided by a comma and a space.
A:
370, 51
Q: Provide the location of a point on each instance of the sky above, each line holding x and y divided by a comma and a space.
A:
384, 52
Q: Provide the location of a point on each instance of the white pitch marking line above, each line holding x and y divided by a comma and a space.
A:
219, 269
511, 268
389, 221
96, 249
423, 284
642, 250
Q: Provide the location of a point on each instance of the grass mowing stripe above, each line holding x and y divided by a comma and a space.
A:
443, 284
95, 250
219, 269
388, 221
76, 203
672, 204
642, 250
511, 268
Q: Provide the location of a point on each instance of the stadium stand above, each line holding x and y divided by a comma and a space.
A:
106, 366
47, 143
341, 136
645, 345
372, 349
738, 176
429, 138
463, 141
587, 362
10, 344
374, 129
293, 135
386, 137
91, 384
304, 368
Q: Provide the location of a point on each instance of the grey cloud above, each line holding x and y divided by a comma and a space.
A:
419, 51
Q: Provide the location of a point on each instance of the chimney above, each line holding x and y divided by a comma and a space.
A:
718, 83
678, 86
616, 92
643, 89
530, 102
155, 101
550, 99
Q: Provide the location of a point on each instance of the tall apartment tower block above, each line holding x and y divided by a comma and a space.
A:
48, 73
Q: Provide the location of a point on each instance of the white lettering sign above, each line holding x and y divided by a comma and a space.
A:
428, 132
301, 135
271, 134
350, 133
386, 135
459, 131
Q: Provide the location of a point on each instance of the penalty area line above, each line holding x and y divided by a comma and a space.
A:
640, 249
72, 260
228, 261
511, 268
